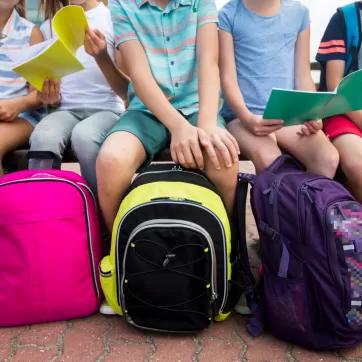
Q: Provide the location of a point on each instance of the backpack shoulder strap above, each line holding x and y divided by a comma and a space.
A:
240, 255
351, 23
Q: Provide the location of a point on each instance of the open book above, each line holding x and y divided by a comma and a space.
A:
54, 58
296, 107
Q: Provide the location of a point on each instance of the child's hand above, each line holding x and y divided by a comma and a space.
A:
310, 127
50, 95
215, 138
262, 127
95, 43
185, 147
9, 110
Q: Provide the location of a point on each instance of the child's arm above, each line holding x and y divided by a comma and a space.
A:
95, 45
229, 83
209, 93
11, 108
302, 74
209, 81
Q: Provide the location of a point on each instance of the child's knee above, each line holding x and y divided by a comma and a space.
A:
109, 158
225, 177
326, 163
263, 158
352, 169
82, 136
45, 138
116, 158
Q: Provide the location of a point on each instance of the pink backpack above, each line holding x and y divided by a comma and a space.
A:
50, 248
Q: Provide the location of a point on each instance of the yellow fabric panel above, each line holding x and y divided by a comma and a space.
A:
145, 193
221, 317
108, 284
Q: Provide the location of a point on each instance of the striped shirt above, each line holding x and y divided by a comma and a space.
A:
15, 35
169, 39
332, 46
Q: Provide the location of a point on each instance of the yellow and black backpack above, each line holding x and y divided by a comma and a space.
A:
169, 268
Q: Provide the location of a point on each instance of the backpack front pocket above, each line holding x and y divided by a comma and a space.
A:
169, 277
287, 304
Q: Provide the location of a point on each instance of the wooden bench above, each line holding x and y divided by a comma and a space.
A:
13, 161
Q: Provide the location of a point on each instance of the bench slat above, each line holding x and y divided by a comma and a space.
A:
14, 160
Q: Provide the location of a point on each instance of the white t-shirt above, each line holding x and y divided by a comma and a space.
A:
89, 88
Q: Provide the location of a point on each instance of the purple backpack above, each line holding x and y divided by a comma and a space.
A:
310, 231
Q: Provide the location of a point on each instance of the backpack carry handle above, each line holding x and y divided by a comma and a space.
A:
42, 160
285, 163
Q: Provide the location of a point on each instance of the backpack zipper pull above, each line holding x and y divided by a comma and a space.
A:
270, 191
305, 192
305, 189
169, 258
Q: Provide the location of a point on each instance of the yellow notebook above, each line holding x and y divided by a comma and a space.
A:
54, 58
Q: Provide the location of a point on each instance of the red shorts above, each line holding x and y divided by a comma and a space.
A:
338, 125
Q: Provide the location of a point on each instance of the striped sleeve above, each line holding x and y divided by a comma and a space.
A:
332, 46
122, 26
207, 12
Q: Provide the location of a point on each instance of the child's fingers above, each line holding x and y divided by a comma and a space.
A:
99, 34
57, 92
272, 122
306, 131
317, 126
312, 126
52, 90
39, 96
45, 91
97, 40
270, 129
88, 43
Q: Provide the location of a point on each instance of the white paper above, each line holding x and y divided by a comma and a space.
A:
23, 55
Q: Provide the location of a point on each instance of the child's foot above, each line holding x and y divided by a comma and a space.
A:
242, 307
106, 309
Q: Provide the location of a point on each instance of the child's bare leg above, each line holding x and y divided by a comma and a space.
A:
119, 158
315, 152
262, 151
13, 135
349, 147
225, 180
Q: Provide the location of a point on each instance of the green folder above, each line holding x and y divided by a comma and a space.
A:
296, 107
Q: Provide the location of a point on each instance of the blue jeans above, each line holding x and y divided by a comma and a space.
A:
84, 128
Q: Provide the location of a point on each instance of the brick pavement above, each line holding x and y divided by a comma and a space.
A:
109, 339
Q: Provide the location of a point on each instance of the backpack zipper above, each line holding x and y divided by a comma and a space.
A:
167, 171
89, 234
170, 201
167, 223
302, 194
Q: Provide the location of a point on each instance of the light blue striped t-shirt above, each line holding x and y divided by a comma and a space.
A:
169, 39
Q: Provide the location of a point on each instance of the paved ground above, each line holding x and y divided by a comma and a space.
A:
109, 339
